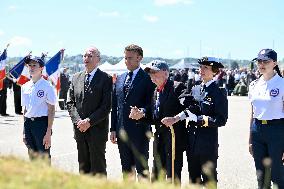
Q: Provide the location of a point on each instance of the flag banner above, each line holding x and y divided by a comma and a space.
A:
52, 68
16, 71
3, 58
20, 72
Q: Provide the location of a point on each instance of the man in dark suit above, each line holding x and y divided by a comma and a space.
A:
64, 86
133, 88
89, 104
165, 103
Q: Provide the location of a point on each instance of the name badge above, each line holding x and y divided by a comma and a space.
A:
274, 92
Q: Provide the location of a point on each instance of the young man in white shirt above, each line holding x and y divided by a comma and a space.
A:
38, 100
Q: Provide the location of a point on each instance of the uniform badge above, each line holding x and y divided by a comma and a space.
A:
262, 52
274, 92
40, 93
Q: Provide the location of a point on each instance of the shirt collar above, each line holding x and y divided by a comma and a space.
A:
135, 71
160, 89
92, 73
208, 83
36, 83
275, 77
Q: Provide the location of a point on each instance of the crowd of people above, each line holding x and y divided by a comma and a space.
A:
235, 81
138, 99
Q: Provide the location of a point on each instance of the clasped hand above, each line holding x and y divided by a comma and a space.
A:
136, 113
83, 125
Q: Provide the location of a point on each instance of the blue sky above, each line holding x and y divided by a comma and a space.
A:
235, 29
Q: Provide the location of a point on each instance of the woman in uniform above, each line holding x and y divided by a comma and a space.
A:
266, 142
38, 100
202, 151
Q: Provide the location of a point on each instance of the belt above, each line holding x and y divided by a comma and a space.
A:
271, 122
36, 118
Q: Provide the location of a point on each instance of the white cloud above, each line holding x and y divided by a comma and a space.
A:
1, 32
171, 2
151, 19
12, 7
20, 41
109, 14
178, 53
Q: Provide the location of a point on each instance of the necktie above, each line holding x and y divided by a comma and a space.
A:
87, 82
127, 83
157, 105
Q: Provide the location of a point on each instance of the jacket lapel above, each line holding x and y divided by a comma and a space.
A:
120, 84
81, 82
165, 93
135, 82
95, 78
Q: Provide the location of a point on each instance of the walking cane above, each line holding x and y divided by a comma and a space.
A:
173, 153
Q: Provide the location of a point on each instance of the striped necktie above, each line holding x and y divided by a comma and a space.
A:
87, 82
127, 83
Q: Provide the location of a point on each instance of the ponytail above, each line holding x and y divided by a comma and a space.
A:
276, 68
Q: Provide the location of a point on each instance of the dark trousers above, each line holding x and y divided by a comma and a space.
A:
3, 102
134, 153
163, 156
35, 131
17, 102
196, 163
91, 155
268, 142
63, 95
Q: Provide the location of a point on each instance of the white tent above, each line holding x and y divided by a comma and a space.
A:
106, 66
118, 68
143, 66
182, 64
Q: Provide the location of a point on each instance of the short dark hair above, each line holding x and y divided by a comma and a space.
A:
134, 48
215, 70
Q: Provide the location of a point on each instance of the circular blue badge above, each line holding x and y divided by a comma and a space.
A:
274, 92
40, 93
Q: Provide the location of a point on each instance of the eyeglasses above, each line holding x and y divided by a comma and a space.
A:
90, 55
33, 65
265, 62
87, 56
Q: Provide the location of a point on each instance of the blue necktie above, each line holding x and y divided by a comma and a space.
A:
127, 83
157, 106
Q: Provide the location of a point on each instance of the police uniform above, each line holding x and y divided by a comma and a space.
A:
267, 128
203, 129
35, 97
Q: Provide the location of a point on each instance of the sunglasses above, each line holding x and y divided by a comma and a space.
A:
264, 61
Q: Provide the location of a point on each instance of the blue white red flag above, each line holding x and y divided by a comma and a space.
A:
52, 68
20, 72
3, 59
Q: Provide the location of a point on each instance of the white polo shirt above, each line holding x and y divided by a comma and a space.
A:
36, 96
267, 98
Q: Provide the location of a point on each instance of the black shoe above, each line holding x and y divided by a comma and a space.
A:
19, 113
5, 114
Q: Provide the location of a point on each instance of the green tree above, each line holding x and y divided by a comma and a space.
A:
234, 65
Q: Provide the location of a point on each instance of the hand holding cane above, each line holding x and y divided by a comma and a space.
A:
173, 153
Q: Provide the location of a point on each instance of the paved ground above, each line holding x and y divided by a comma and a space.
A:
235, 165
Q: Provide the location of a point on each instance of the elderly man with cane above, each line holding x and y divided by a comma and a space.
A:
165, 103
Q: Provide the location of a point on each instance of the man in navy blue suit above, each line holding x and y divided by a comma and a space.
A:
131, 89
165, 103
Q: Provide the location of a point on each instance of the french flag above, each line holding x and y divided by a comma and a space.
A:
3, 58
20, 72
51, 69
